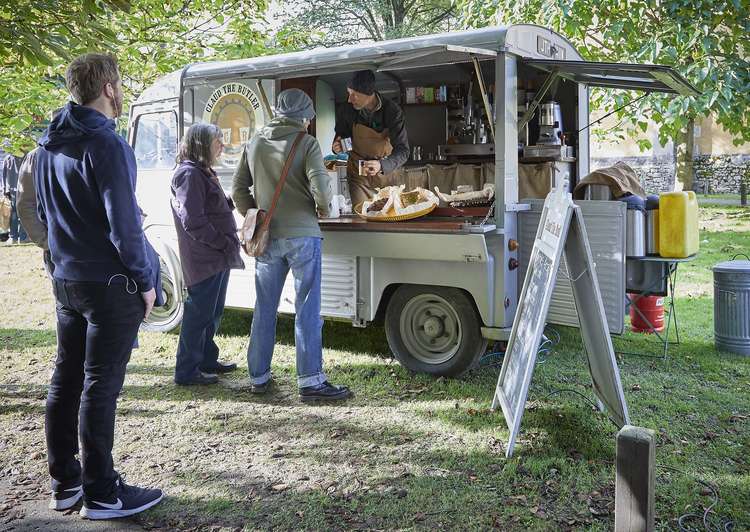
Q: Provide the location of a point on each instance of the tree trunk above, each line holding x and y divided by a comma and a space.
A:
684, 148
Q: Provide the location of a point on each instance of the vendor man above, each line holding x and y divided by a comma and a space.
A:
376, 127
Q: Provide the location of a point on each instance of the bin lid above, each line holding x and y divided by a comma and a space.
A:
652, 202
733, 266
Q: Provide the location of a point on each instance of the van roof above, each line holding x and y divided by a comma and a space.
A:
521, 39
494, 39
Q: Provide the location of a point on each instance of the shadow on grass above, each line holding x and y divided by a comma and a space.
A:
18, 339
38, 408
337, 335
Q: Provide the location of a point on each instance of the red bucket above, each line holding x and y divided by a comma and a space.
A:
651, 308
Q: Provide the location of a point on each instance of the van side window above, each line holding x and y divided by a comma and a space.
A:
156, 140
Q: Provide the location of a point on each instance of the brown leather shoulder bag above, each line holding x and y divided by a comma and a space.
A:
255, 230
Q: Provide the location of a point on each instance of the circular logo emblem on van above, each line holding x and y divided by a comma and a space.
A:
235, 108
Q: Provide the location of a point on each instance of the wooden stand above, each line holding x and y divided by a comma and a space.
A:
636, 479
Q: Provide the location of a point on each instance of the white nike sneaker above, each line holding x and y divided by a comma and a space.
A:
129, 500
65, 496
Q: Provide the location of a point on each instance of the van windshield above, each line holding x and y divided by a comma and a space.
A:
156, 140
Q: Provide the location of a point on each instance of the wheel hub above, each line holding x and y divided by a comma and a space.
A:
434, 327
430, 328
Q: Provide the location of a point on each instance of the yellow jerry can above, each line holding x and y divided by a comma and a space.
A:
678, 224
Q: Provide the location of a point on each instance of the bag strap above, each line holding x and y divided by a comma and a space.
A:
282, 180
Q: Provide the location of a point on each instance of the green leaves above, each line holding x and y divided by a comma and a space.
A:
707, 41
33, 33
149, 37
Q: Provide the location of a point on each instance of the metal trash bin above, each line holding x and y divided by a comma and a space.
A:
732, 306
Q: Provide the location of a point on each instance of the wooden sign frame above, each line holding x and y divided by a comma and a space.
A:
561, 228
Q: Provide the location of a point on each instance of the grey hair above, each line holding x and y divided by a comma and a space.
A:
196, 144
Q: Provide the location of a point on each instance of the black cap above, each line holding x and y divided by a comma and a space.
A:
363, 81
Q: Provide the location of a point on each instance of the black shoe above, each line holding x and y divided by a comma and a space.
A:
65, 496
324, 392
221, 367
129, 500
260, 389
201, 378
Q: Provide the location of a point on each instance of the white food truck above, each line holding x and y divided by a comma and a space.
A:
474, 103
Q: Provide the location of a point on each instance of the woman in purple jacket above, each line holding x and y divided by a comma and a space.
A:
209, 249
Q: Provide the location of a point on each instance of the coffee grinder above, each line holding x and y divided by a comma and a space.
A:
550, 124
549, 144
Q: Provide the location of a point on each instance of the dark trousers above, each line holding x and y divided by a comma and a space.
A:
204, 307
17, 232
96, 327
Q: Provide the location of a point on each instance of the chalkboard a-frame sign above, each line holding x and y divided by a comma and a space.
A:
561, 228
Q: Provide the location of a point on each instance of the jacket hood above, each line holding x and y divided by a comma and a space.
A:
75, 123
281, 127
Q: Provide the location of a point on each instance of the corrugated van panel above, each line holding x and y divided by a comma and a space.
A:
605, 225
338, 288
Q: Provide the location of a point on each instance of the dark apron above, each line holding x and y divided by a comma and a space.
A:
367, 145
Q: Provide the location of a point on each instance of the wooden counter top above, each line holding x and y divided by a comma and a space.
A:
421, 225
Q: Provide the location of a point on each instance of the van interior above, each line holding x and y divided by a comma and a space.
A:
451, 143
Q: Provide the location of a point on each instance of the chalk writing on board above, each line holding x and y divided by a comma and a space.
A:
532, 318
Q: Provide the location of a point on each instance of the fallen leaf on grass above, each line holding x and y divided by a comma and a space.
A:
575, 454
280, 487
496, 446
598, 512
636, 387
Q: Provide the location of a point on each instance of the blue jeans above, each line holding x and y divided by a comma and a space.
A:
302, 256
204, 307
17, 232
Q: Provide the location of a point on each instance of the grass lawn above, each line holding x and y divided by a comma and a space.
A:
719, 196
409, 451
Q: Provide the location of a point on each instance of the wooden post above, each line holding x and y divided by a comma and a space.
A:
636, 479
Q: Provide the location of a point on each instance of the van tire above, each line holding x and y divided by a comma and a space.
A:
434, 330
168, 316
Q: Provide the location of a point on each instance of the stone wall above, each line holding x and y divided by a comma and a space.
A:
656, 173
721, 174
714, 174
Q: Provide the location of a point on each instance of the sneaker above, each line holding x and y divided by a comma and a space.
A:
65, 496
222, 367
129, 500
324, 392
201, 378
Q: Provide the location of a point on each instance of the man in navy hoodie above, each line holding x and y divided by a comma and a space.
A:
104, 277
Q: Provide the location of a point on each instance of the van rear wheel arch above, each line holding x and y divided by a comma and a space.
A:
434, 329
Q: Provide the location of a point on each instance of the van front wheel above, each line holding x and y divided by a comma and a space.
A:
434, 330
169, 315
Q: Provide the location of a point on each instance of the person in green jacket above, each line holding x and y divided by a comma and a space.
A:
295, 243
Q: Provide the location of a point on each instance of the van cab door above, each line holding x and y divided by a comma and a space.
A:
154, 137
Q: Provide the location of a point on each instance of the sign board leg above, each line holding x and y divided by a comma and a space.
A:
605, 375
